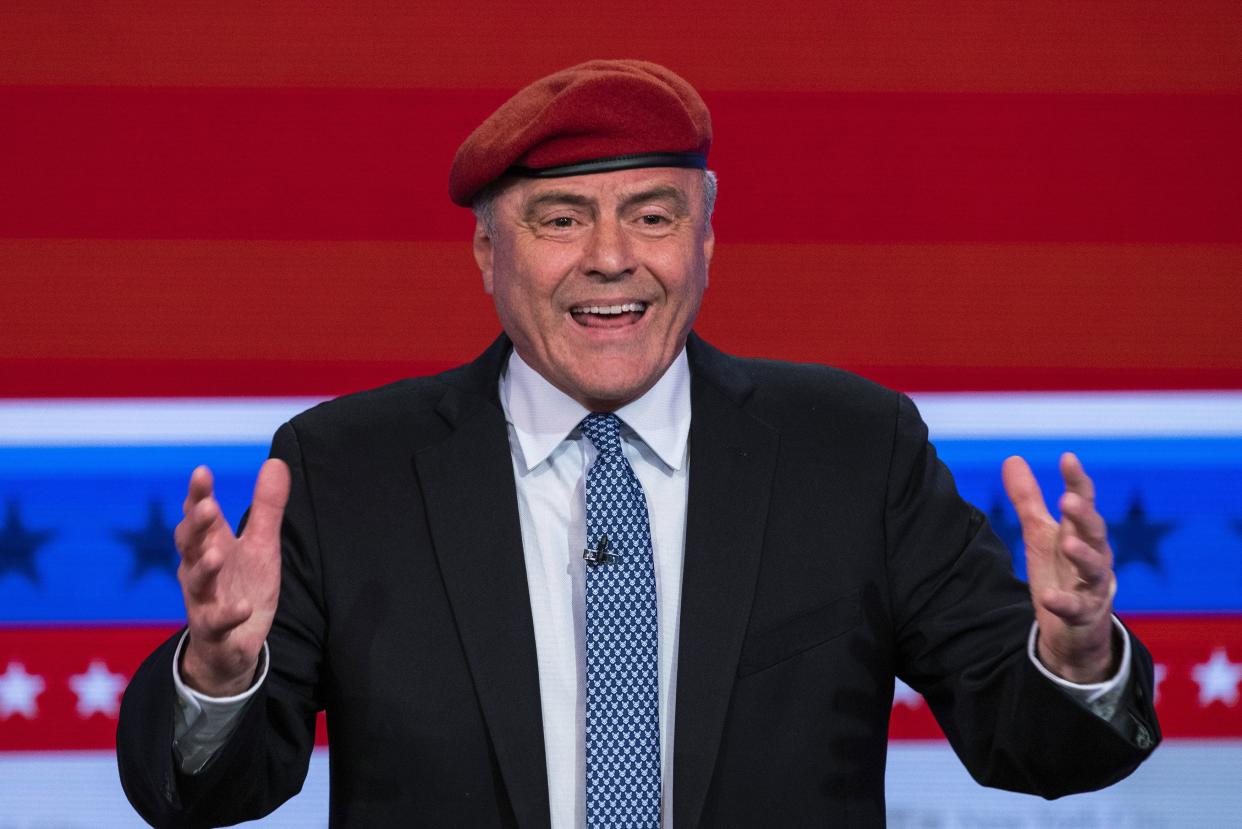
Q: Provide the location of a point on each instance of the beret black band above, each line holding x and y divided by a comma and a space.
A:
633, 161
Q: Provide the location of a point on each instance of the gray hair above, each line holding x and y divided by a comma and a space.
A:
484, 204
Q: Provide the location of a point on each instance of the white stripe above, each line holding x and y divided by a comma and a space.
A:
1185, 783
1082, 414
134, 422
950, 415
80, 790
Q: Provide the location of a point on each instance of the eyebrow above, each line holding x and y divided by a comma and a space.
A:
554, 197
663, 192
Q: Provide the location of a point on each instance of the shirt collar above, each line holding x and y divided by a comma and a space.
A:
542, 415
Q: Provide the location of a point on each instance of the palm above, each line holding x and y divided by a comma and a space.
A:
246, 588
230, 584
1069, 566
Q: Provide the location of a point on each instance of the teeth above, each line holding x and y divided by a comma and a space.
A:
609, 309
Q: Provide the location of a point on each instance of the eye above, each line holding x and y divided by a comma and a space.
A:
653, 219
562, 222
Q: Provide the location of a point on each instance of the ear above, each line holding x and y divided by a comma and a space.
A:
482, 245
709, 249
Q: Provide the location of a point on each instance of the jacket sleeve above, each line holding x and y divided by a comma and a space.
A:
962, 621
265, 761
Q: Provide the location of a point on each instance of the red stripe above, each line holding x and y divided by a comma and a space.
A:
185, 317
1179, 643
718, 44
986, 316
796, 167
201, 378
55, 654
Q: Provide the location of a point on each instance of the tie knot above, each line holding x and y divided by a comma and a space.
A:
604, 431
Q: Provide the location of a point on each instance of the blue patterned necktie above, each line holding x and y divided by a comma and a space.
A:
622, 670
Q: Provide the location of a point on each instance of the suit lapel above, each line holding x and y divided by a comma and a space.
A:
471, 502
732, 461
468, 477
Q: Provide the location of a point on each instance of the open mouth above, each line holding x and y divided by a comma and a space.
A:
608, 316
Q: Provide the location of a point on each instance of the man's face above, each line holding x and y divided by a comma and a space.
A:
598, 278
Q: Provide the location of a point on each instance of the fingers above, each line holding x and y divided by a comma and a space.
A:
198, 578
1088, 585
1078, 503
267, 510
230, 583
1024, 492
203, 536
1079, 516
202, 519
1090, 568
1084, 586
1076, 479
201, 486
1083, 534
210, 616
1069, 565
201, 512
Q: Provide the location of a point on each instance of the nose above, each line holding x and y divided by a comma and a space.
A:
608, 253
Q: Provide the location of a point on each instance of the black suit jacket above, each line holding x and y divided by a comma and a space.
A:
826, 551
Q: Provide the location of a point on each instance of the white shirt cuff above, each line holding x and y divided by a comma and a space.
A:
1101, 697
203, 724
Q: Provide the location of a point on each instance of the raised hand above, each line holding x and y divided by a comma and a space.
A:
230, 583
1069, 566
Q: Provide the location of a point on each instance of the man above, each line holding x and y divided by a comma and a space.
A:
606, 574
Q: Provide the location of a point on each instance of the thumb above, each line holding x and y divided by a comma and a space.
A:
1023, 490
271, 493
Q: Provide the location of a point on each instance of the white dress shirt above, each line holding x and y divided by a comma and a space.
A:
550, 460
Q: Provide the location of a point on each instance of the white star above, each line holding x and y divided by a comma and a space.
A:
1218, 679
18, 690
98, 690
903, 694
1161, 672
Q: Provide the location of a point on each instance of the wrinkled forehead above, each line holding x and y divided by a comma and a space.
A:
681, 189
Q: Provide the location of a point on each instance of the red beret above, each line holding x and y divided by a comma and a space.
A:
595, 117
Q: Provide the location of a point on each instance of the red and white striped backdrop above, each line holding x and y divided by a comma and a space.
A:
249, 200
